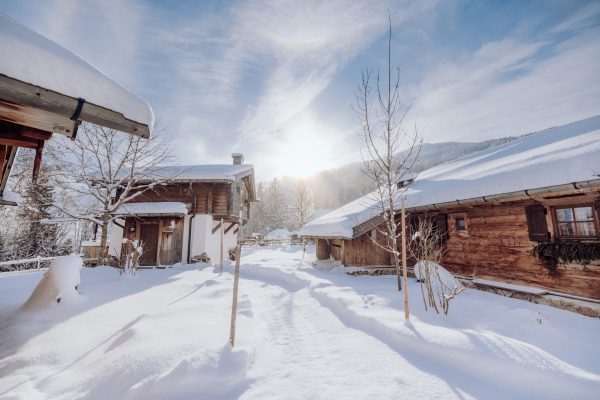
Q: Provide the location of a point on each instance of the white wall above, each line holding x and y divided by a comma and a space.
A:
203, 240
213, 245
201, 229
116, 238
186, 234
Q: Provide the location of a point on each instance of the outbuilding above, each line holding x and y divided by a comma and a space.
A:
494, 207
195, 214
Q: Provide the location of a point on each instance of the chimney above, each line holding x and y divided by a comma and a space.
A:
238, 158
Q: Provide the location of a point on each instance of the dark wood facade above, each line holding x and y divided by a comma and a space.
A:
163, 235
494, 241
162, 238
219, 199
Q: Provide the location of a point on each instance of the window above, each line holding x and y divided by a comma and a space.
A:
460, 224
575, 222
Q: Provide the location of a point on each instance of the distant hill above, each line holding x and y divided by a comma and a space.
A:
336, 187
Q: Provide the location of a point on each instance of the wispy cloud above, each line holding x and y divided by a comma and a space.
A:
265, 77
512, 86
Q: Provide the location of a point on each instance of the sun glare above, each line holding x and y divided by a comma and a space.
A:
306, 148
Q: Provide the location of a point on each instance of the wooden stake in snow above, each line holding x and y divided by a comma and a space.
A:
222, 234
404, 268
236, 274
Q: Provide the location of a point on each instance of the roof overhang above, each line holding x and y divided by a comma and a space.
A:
29, 105
154, 209
360, 229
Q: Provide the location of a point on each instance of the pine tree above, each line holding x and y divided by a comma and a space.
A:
36, 238
275, 206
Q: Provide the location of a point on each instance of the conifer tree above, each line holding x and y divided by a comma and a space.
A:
34, 237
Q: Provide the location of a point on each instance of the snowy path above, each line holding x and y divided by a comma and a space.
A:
303, 333
320, 343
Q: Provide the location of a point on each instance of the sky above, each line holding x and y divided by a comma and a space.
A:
277, 80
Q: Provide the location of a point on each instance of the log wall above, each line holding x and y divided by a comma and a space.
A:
211, 198
496, 246
362, 251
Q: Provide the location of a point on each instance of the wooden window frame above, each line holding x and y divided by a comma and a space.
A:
555, 221
455, 217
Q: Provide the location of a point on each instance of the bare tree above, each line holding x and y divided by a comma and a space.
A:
108, 169
382, 117
303, 205
437, 285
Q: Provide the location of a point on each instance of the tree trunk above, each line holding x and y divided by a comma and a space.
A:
404, 267
103, 239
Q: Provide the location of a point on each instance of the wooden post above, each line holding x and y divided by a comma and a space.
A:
236, 278
159, 242
404, 267
3, 156
37, 161
222, 234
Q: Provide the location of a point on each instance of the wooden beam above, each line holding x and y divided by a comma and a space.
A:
159, 243
49, 110
19, 142
36, 133
216, 228
12, 134
229, 228
3, 151
37, 162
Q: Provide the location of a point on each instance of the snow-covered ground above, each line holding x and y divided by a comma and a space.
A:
302, 333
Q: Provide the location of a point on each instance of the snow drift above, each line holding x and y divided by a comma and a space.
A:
59, 283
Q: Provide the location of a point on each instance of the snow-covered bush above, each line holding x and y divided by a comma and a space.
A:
438, 286
59, 283
133, 253
441, 286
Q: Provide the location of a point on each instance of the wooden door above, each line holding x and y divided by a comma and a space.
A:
149, 238
172, 242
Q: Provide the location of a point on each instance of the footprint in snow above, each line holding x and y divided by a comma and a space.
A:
245, 307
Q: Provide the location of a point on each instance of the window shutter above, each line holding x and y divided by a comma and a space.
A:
597, 204
536, 223
441, 222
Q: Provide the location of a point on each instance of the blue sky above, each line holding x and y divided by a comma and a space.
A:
276, 79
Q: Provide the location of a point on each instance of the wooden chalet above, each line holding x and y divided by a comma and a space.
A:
494, 207
197, 212
46, 89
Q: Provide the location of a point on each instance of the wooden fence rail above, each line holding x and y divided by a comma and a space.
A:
39, 260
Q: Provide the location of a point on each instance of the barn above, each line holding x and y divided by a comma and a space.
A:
46, 89
494, 207
197, 211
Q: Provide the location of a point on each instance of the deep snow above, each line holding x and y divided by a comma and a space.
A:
303, 333
59, 283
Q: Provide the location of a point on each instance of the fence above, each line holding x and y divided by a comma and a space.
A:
266, 242
38, 260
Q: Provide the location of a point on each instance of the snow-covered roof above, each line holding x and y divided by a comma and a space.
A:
34, 59
210, 172
153, 208
555, 156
